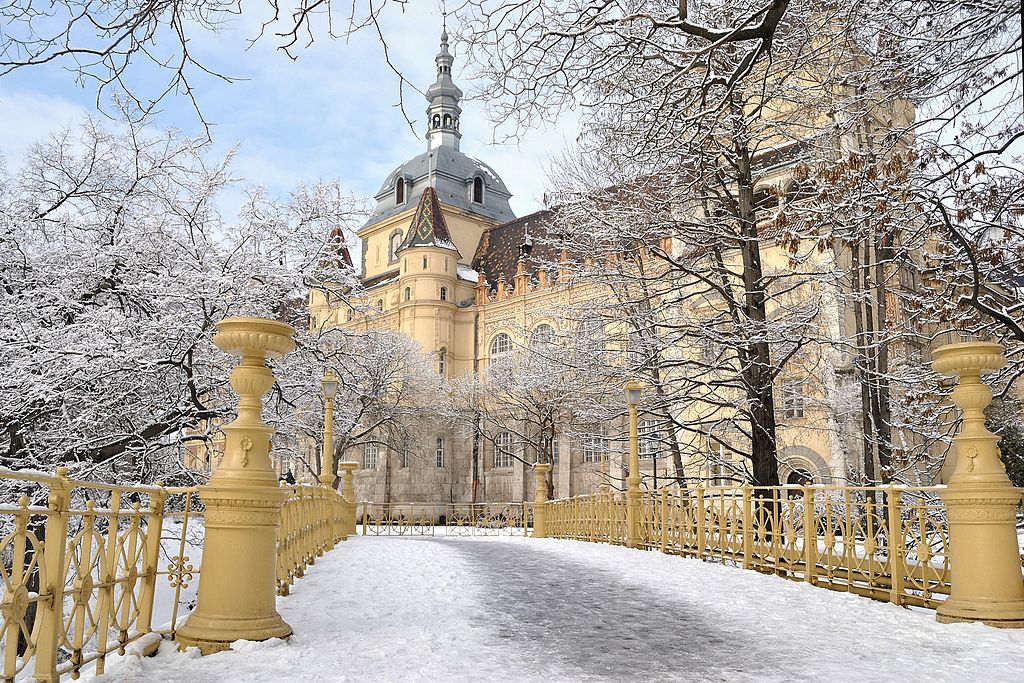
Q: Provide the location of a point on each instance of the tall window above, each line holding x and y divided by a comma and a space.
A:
380, 304
424, 263
554, 451
595, 446
591, 334
394, 242
503, 450
442, 361
543, 335
649, 438
371, 456
501, 344
478, 190
400, 191
439, 452
793, 399
444, 294
408, 293
403, 457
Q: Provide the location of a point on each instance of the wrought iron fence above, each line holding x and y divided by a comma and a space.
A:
889, 543
444, 519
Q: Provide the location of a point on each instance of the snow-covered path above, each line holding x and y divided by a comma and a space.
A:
514, 609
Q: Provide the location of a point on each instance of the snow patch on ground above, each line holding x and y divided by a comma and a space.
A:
514, 609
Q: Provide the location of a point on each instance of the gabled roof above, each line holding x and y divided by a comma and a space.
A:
429, 227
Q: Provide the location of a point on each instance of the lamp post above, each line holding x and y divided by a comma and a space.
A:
633, 391
330, 387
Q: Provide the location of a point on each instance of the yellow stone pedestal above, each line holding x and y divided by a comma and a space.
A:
986, 583
237, 581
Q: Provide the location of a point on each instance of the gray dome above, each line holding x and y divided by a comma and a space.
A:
451, 173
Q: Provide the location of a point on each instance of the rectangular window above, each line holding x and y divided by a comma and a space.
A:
439, 453
503, 450
554, 451
371, 455
649, 439
793, 400
595, 446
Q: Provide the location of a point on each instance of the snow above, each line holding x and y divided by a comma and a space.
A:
515, 609
466, 273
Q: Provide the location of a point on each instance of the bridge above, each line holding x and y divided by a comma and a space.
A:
276, 581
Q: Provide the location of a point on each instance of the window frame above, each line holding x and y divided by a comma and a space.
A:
493, 347
504, 450
439, 454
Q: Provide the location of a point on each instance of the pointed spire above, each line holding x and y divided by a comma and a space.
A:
444, 96
429, 227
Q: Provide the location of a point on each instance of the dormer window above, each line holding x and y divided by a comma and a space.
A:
478, 190
400, 191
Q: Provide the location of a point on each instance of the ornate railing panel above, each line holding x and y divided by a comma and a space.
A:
89, 568
313, 520
889, 543
444, 519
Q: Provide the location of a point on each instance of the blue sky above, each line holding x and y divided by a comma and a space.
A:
329, 114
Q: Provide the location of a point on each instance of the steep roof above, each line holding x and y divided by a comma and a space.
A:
498, 253
429, 227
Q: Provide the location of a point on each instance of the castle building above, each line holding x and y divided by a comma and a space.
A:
443, 262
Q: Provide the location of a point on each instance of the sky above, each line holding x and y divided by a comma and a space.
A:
331, 113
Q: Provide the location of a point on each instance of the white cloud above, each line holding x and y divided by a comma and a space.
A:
29, 116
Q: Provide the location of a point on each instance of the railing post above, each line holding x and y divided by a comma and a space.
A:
633, 496
366, 513
897, 550
748, 530
151, 561
810, 537
540, 501
238, 577
985, 571
664, 520
54, 549
348, 469
702, 531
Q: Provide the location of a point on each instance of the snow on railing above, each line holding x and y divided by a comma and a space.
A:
313, 520
889, 543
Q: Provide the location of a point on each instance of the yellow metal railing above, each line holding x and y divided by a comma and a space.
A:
81, 563
889, 543
313, 520
89, 568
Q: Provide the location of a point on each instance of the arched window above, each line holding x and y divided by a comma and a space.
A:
447, 120
543, 335
501, 344
503, 450
439, 452
478, 190
400, 191
444, 294
408, 293
380, 304
371, 456
394, 242
437, 121
442, 361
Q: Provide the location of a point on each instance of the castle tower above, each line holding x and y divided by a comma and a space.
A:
428, 274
